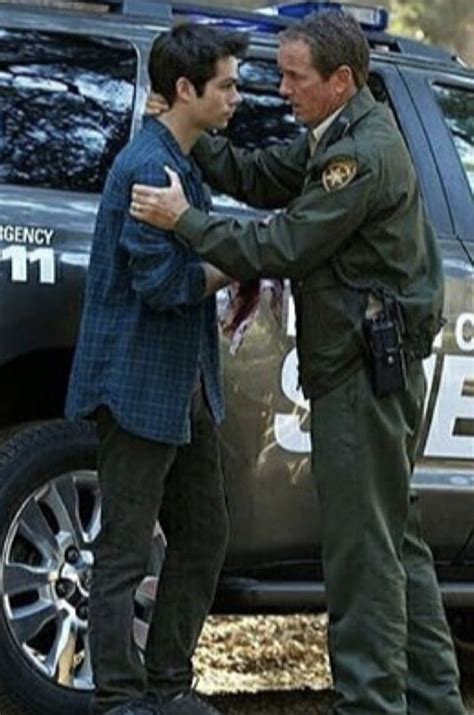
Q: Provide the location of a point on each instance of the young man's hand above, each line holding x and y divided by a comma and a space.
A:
160, 207
156, 104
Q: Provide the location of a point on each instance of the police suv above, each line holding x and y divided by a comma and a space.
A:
73, 84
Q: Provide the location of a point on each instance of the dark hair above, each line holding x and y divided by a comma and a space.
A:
190, 51
334, 39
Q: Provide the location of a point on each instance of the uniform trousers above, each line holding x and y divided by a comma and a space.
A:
141, 481
389, 643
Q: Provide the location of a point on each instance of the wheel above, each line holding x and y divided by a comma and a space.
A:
49, 516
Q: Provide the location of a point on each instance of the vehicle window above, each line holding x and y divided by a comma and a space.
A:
457, 105
65, 109
264, 117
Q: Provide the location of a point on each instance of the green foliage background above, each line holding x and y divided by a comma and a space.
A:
449, 23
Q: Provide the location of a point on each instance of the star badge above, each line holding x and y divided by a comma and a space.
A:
338, 173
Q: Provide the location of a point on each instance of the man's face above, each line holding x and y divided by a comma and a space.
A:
312, 97
216, 106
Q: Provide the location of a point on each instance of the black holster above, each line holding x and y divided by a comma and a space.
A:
383, 334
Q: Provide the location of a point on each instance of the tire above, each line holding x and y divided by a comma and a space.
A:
49, 516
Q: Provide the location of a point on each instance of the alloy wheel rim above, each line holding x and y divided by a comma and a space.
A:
45, 578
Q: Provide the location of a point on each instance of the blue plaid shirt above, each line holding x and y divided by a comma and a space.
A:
147, 331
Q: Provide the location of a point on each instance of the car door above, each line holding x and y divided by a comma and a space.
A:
444, 102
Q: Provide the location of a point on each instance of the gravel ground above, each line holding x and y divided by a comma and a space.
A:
262, 665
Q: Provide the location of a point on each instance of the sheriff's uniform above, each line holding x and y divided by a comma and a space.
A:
354, 199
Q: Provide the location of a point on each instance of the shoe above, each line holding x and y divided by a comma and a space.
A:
187, 703
134, 707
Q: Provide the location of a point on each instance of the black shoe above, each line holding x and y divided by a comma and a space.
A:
187, 703
134, 707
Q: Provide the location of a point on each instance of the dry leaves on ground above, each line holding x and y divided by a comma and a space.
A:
270, 665
253, 653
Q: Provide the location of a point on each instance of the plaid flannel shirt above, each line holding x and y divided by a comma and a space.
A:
147, 330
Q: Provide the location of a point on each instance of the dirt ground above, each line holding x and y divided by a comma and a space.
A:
263, 665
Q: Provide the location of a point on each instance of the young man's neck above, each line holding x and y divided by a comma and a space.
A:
182, 128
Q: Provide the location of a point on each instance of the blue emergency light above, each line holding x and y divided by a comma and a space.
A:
271, 18
373, 19
232, 23
274, 18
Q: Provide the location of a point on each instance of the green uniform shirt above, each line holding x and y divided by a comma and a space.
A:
356, 198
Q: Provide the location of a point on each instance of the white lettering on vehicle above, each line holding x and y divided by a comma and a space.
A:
288, 430
465, 332
453, 404
21, 257
455, 397
29, 235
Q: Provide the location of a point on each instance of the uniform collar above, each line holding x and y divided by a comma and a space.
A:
359, 105
317, 133
356, 108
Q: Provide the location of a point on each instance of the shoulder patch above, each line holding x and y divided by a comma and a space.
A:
339, 172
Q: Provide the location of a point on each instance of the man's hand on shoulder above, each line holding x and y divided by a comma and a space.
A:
160, 207
155, 105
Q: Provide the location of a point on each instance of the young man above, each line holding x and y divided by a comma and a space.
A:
357, 244
147, 369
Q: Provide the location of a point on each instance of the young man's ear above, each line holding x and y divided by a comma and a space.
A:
185, 90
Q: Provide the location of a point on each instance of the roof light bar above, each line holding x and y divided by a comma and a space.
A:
228, 22
372, 19
267, 19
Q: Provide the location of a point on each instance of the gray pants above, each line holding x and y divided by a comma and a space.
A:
390, 647
141, 481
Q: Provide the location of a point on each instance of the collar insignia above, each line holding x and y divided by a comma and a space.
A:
338, 173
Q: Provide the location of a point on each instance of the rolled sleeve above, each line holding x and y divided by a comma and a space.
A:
165, 272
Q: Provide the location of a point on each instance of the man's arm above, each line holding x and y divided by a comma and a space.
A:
268, 178
292, 244
264, 178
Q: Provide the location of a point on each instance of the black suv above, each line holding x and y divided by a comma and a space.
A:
72, 89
